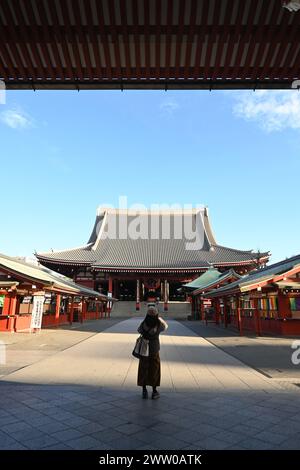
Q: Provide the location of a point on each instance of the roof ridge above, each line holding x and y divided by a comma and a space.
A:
87, 245
241, 251
149, 211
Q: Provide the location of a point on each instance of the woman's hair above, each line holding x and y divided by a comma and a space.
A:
152, 311
152, 320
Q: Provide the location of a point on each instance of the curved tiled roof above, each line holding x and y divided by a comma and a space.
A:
159, 242
50, 279
211, 275
251, 280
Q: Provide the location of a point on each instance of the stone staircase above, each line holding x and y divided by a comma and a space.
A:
176, 310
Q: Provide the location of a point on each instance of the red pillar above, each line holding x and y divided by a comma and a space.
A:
256, 317
82, 309
6, 304
202, 308
166, 295
13, 304
225, 311
239, 317
57, 308
18, 305
217, 310
137, 304
284, 307
110, 285
110, 291
72, 311
85, 310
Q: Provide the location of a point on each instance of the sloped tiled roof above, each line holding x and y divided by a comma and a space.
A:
223, 278
246, 283
210, 275
162, 244
45, 277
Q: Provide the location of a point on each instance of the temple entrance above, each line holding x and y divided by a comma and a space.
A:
151, 290
174, 295
127, 290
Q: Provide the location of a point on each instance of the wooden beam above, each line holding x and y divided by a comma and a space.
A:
255, 72
115, 39
233, 41
179, 38
200, 40
169, 38
294, 40
14, 42
147, 84
274, 41
126, 38
158, 38
82, 41
244, 38
100, 17
275, 71
52, 44
211, 42
15, 7
190, 38
55, 21
46, 40
147, 38
93, 37
33, 48
72, 41
8, 71
137, 47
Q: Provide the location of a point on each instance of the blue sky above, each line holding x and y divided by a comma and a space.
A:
64, 153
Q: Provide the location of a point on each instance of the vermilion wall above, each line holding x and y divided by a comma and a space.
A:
6, 324
270, 326
49, 320
248, 323
22, 322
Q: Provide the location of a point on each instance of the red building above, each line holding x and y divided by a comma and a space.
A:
266, 301
147, 254
32, 297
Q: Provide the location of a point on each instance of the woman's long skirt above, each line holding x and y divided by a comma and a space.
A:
149, 371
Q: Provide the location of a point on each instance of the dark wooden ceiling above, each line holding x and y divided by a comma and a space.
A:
148, 44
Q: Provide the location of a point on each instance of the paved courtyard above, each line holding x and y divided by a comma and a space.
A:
83, 395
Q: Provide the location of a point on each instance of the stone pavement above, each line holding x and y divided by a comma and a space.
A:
271, 355
23, 349
85, 397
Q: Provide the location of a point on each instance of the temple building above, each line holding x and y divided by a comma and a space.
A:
265, 301
33, 297
141, 255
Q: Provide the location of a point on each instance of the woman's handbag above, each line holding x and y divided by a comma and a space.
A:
141, 348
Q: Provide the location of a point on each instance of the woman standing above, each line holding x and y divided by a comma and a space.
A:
149, 367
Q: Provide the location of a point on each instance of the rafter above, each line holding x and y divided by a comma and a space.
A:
223, 41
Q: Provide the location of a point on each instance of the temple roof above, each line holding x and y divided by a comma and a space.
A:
148, 240
273, 273
211, 275
224, 278
41, 275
